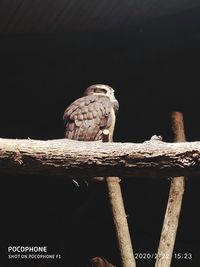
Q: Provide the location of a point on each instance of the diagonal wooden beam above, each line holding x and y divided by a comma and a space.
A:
172, 214
119, 217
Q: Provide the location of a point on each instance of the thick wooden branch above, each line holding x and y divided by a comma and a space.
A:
120, 222
88, 159
172, 214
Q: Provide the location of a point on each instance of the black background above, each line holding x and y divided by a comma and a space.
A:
154, 69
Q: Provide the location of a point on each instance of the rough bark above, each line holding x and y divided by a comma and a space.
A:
172, 214
120, 222
88, 159
119, 217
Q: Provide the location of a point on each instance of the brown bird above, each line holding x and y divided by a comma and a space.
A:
87, 117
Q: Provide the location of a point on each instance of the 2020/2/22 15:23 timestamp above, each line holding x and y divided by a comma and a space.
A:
177, 256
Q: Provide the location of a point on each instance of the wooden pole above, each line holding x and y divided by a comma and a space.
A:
120, 222
171, 220
119, 217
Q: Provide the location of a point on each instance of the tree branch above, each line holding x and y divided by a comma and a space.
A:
88, 159
172, 214
119, 217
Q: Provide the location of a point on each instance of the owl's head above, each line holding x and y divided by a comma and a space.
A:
99, 89
104, 90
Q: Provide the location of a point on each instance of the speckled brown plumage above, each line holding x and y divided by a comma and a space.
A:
87, 117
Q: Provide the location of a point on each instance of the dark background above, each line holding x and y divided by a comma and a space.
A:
49, 53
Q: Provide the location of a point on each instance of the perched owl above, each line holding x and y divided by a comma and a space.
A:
87, 117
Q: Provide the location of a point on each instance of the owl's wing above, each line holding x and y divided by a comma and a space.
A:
87, 117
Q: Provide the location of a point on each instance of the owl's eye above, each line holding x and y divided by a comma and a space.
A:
100, 90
